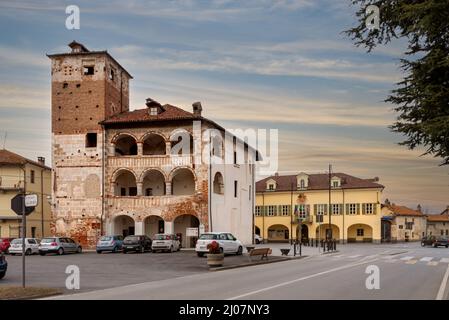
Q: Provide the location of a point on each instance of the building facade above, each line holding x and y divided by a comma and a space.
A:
400, 223
297, 206
17, 173
438, 224
156, 169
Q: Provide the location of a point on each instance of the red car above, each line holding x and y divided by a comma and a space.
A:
5, 243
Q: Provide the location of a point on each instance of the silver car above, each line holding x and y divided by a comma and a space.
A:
165, 242
59, 245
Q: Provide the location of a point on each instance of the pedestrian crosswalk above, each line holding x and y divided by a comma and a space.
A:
388, 258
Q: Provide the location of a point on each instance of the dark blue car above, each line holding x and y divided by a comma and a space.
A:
3, 265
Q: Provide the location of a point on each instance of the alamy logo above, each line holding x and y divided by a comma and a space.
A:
73, 20
373, 280
372, 21
72, 282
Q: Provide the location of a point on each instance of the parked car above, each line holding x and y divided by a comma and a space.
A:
5, 244
228, 243
59, 245
110, 243
258, 239
165, 242
3, 265
31, 246
435, 241
137, 244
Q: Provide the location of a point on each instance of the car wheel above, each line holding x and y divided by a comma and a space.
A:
2, 274
42, 253
446, 246
99, 251
61, 251
28, 252
79, 250
171, 249
115, 250
124, 251
221, 250
257, 241
142, 249
240, 251
12, 254
200, 254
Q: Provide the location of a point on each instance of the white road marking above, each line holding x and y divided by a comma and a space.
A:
444, 260
406, 258
301, 279
426, 259
411, 261
443, 285
391, 260
355, 256
432, 263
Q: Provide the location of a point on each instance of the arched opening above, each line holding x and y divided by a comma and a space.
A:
125, 146
218, 183
183, 226
153, 145
153, 225
323, 232
303, 234
183, 182
181, 143
153, 184
386, 230
278, 233
125, 184
124, 225
257, 230
360, 233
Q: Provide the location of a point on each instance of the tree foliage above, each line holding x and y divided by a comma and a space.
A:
421, 98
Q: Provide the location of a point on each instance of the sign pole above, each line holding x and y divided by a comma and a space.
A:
24, 218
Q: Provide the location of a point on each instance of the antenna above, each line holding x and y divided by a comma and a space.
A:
4, 140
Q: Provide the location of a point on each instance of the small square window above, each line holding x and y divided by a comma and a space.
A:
153, 111
88, 70
32, 176
91, 140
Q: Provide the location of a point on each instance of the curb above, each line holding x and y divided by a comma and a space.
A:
256, 263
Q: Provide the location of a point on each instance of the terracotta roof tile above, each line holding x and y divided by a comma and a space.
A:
11, 158
403, 211
317, 182
438, 218
143, 115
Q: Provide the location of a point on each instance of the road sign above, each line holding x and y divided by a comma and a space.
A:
17, 205
31, 200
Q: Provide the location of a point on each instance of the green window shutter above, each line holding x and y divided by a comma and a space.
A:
363, 208
358, 208
279, 208
347, 208
325, 209
374, 208
308, 209
315, 209
341, 208
264, 210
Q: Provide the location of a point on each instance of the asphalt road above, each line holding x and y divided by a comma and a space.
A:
406, 272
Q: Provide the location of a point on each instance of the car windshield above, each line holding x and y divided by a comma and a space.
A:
16, 241
48, 240
208, 236
106, 238
132, 238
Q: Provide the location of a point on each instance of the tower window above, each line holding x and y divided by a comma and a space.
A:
91, 140
88, 70
65, 85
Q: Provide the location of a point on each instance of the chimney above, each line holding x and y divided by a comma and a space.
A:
419, 208
276, 174
197, 108
41, 161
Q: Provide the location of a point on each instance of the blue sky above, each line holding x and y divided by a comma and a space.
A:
256, 63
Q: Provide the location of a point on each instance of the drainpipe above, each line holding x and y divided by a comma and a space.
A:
209, 207
344, 213
263, 217
42, 201
102, 179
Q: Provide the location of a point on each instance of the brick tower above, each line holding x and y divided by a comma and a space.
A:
86, 87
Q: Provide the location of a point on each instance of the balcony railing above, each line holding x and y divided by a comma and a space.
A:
150, 161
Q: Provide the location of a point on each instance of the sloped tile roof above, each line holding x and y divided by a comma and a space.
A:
403, 211
11, 158
438, 218
317, 182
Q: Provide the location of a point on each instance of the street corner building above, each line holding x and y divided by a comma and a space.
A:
401, 223
17, 175
151, 170
290, 207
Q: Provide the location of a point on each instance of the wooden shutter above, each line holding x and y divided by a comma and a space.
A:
347, 208
374, 208
358, 208
315, 209
363, 208
340, 208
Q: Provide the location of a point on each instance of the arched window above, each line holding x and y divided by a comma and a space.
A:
153, 184
302, 184
183, 182
154, 144
218, 183
126, 146
125, 184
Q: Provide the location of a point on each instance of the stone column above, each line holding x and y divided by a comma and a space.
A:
169, 227
167, 147
168, 188
139, 148
111, 150
139, 228
139, 188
